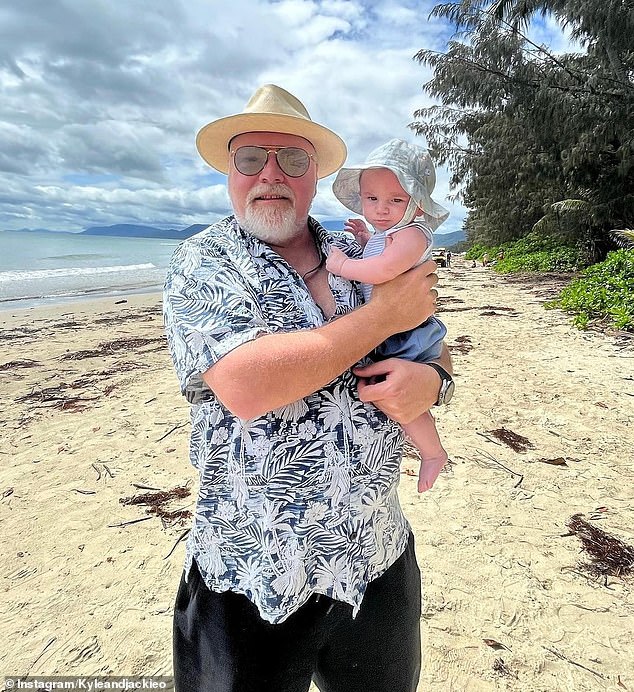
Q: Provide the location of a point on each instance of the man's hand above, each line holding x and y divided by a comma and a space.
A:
407, 300
402, 389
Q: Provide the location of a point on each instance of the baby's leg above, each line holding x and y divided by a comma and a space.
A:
422, 431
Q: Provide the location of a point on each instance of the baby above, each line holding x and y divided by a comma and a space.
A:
392, 190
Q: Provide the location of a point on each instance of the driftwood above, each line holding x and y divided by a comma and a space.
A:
563, 657
178, 540
559, 461
492, 461
127, 523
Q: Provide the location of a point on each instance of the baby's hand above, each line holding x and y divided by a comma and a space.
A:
358, 229
335, 260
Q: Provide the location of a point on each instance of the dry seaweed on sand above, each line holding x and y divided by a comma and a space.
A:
609, 556
152, 499
543, 285
500, 667
119, 319
462, 345
125, 366
155, 502
498, 311
17, 333
13, 364
58, 397
495, 313
55, 397
108, 347
518, 443
460, 309
65, 325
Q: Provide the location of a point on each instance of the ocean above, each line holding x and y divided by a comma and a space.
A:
47, 268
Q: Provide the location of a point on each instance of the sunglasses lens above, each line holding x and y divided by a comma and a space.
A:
250, 160
293, 161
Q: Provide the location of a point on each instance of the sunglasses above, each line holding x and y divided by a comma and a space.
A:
250, 160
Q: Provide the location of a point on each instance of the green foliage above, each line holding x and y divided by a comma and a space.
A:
603, 292
461, 246
533, 253
563, 259
477, 251
532, 137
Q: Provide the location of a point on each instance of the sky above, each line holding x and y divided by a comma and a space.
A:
101, 100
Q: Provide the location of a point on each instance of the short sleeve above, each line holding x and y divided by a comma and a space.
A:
209, 309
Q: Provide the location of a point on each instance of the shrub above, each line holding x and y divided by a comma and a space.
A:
477, 250
604, 291
532, 253
560, 259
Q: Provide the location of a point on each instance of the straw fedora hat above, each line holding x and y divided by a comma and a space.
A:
271, 109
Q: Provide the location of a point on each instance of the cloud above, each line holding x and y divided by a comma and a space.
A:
101, 101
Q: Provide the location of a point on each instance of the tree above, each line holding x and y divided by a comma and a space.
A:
522, 129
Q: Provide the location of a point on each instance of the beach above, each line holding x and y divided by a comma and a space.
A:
541, 429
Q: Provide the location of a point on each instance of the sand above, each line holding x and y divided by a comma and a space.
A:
91, 415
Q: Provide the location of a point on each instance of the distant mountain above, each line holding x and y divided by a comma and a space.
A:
129, 230
446, 240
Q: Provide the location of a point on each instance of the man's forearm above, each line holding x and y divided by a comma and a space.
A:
277, 369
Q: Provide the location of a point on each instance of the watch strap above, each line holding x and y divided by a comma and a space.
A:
445, 380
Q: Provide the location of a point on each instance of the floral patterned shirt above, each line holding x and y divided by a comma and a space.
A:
303, 499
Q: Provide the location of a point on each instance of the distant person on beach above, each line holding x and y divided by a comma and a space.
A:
300, 564
392, 190
448, 258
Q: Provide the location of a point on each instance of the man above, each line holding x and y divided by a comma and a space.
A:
300, 564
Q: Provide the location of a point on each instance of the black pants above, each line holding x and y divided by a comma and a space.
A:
221, 644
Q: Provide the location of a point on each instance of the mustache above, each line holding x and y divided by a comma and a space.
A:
261, 190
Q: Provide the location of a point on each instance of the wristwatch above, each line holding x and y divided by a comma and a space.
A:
447, 385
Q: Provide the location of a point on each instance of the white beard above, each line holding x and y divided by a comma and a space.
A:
271, 225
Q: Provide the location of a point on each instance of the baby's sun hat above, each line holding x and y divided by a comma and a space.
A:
414, 169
